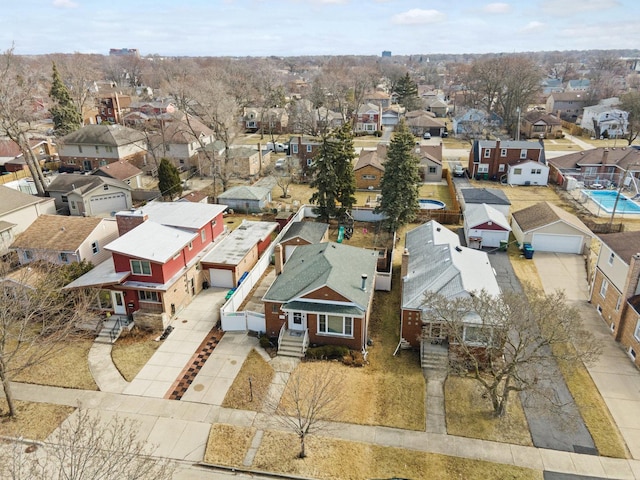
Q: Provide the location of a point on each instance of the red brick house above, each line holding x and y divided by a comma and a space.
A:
370, 167
490, 159
368, 118
305, 149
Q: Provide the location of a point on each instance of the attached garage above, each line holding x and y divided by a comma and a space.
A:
113, 202
545, 242
219, 277
549, 228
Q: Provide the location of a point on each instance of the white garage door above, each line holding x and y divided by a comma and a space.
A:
492, 238
113, 202
544, 242
221, 278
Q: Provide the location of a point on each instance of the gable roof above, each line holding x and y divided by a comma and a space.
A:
12, 200
245, 192
438, 264
110, 135
312, 232
334, 265
490, 196
57, 232
541, 118
82, 184
187, 215
152, 241
624, 244
369, 158
119, 170
486, 213
622, 157
544, 213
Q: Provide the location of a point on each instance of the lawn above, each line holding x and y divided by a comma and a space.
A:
34, 421
329, 458
132, 351
256, 369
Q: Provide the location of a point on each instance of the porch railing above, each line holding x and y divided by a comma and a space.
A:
282, 330
305, 341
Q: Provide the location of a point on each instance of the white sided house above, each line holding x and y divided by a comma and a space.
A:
486, 227
528, 172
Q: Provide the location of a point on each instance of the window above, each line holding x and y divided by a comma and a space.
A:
487, 152
618, 302
97, 149
213, 222
190, 246
369, 177
611, 257
297, 318
483, 168
603, 288
636, 332
503, 152
64, 199
203, 235
109, 149
432, 169
28, 255
103, 163
64, 257
94, 247
517, 171
105, 187
140, 267
80, 148
536, 171
145, 296
309, 148
104, 299
523, 153
294, 148
476, 335
72, 205
335, 325
501, 167
275, 308
309, 162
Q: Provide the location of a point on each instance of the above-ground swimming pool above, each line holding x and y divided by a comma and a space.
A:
429, 204
605, 199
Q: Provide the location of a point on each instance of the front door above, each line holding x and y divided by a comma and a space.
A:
119, 308
86, 165
297, 321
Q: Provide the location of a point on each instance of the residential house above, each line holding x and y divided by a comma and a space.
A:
112, 104
549, 228
378, 97
200, 196
473, 123
17, 212
246, 162
566, 105
421, 122
551, 85
265, 120
473, 198
88, 195
430, 157
300, 233
153, 280
237, 253
579, 85
124, 171
601, 166
12, 159
368, 118
370, 167
434, 262
305, 119
62, 240
94, 146
486, 227
305, 149
535, 124
390, 117
615, 288
605, 120
246, 198
526, 172
437, 106
325, 294
489, 159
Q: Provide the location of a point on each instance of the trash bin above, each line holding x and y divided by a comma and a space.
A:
528, 251
503, 245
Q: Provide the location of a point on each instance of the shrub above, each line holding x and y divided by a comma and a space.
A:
265, 342
378, 133
327, 352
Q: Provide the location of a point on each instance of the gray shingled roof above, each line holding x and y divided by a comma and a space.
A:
69, 182
312, 232
334, 265
110, 135
244, 192
490, 196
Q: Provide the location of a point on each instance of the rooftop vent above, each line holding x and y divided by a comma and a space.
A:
458, 249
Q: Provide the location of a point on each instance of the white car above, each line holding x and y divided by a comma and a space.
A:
279, 163
427, 136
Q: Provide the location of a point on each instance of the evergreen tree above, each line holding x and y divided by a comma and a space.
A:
169, 181
401, 179
407, 91
333, 176
66, 118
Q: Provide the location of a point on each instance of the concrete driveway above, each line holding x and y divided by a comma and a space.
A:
614, 374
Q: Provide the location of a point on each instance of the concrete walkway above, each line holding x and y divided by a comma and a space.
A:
104, 372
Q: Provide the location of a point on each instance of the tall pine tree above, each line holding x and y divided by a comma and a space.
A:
169, 182
401, 179
333, 176
407, 91
66, 117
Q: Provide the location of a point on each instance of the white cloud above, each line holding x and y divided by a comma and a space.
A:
570, 7
533, 27
64, 4
497, 8
417, 16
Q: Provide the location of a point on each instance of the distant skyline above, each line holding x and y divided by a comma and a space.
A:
316, 27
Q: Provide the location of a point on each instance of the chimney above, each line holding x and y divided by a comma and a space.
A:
404, 269
605, 156
364, 282
127, 220
278, 258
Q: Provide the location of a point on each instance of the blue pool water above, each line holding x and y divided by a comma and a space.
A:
606, 199
429, 204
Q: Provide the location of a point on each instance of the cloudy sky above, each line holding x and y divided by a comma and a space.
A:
316, 27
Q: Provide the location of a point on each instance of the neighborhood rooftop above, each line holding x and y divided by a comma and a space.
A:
179, 214
311, 232
233, 248
544, 213
152, 241
57, 232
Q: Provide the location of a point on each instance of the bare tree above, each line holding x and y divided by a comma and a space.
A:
36, 319
310, 400
505, 343
285, 174
85, 446
20, 90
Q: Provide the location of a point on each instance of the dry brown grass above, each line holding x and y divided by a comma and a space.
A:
34, 421
330, 458
435, 191
132, 351
297, 192
525, 196
261, 374
471, 415
67, 368
228, 444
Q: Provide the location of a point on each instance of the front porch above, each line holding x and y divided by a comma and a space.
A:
292, 343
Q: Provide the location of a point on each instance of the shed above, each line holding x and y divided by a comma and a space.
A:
549, 228
485, 227
246, 198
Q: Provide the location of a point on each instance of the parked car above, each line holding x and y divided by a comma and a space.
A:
276, 147
426, 136
279, 163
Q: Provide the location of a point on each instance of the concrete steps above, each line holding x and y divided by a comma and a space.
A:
291, 346
435, 357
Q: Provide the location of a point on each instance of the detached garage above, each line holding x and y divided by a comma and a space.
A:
485, 226
550, 229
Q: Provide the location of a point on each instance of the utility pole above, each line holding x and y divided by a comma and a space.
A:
518, 125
